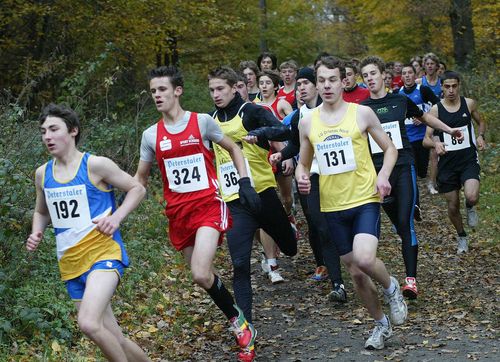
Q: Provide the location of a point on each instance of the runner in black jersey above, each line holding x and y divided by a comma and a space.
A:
458, 163
392, 110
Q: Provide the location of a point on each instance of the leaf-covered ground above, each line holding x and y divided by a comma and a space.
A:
454, 318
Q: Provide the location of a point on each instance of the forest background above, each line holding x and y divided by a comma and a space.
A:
94, 56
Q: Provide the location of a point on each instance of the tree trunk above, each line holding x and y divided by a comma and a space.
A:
263, 26
463, 32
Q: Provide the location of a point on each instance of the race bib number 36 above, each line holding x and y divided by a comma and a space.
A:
187, 173
229, 178
452, 144
393, 131
335, 156
68, 206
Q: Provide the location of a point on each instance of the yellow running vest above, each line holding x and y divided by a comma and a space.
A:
261, 173
347, 175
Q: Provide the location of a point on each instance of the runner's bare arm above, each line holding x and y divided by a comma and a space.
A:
41, 217
305, 159
431, 141
143, 171
481, 141
104, 170
434, 122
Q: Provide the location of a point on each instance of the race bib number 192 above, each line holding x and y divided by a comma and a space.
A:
68, 206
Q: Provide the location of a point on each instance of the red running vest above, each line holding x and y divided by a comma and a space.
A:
186, 165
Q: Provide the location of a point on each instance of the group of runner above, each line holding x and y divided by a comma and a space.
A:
354, 143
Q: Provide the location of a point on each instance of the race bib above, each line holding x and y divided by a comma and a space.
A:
335, 156
186, 173
68, 206
393, 131
229, 178
452, 144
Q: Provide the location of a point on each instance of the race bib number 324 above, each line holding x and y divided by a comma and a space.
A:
186, 173
68, 206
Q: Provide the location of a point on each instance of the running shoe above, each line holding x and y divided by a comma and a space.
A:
275, 276
463, 245
320, 274
241, 329
410, 290
247, 354
472, 217
397, 305
379, 334
293, 224
432, 188
338, 294
417, 213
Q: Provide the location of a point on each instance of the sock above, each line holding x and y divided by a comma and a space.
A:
391, 289
272, 262
462, 233
222, 298
384, 321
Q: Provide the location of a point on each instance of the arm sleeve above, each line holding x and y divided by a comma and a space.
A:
262, 123
412, 110
428, 95
148, 143
209, 128
293, 147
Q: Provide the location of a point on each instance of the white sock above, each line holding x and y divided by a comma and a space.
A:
272, 262
384, 321
391, 289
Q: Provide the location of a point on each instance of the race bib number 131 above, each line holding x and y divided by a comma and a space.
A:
335, 156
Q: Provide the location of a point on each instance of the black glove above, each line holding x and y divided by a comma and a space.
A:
248, 196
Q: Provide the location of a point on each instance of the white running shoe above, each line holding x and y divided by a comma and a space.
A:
472, 217
397, 304
463, 245
379, 334
432, 188
275, 276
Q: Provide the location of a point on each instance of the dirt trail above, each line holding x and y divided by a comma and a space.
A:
454, 318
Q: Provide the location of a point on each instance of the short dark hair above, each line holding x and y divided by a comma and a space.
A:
273, 57
250, 64
332, 62
242, 78
68, 115
450, 74
172, 72
272, 74
320, 56
226, 73
409, 65
352, 65
443, 63
373, 59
